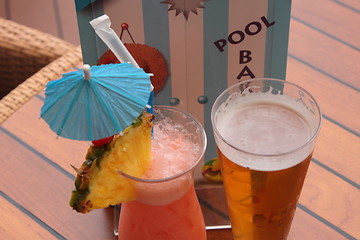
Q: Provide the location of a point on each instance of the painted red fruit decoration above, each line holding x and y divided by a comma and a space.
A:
124, 26
149, 59
102, 141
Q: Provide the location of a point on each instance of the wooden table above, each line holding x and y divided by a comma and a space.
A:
324, 57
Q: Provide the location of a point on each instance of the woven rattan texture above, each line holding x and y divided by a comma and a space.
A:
24, 51
26, 90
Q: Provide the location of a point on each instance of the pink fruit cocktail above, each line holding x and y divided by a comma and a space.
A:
167, 207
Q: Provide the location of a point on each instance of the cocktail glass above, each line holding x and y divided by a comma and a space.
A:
167, 207
265, 131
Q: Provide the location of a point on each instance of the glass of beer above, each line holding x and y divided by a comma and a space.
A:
265, 131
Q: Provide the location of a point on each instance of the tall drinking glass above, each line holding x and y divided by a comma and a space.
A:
167, 206
265, 131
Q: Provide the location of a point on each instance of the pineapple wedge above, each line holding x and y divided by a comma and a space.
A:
98, 183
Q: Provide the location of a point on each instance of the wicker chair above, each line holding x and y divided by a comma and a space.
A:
28, 60
24, 51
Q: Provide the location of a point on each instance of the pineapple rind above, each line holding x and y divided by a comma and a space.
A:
98, 183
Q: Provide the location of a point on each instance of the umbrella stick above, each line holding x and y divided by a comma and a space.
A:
87, 72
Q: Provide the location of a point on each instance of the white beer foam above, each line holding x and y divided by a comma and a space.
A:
265, 139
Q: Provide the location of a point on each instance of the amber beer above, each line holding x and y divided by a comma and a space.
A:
264, 131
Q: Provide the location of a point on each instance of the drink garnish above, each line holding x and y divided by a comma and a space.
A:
102, 141
211, 170
98, 183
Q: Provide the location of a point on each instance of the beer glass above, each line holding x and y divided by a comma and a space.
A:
265, 130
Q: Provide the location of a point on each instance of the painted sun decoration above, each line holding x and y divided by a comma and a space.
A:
184, 6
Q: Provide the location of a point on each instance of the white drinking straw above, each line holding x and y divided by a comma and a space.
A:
102, 28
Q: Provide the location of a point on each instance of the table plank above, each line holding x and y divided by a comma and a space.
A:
15, 223
220, 234
45, 191
330, 17
351, 4
337, 149
305, 226
323, 191
26, 125
213, 204
333, 96
304, 45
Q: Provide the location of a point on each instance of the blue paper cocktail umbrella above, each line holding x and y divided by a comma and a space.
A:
97, 102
